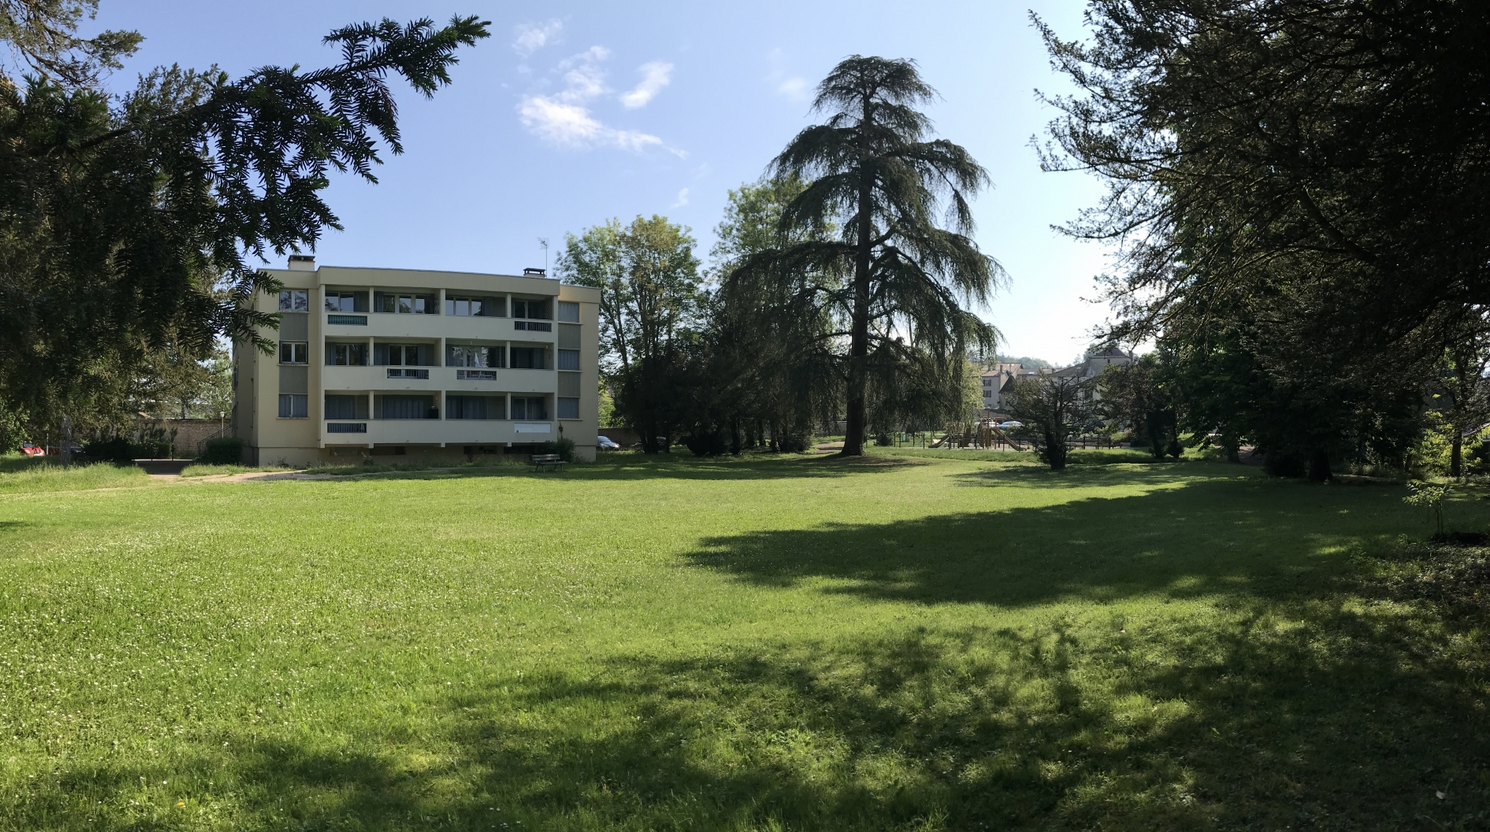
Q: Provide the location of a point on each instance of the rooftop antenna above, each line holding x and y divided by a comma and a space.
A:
543, 241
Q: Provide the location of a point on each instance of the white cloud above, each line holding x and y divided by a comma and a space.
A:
655, 76
795, 88
531, 38
682, 199
564, 119
570, 125
593, 55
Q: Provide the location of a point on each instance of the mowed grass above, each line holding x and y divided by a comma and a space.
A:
758, 644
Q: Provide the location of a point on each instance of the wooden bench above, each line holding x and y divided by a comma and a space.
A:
541, 461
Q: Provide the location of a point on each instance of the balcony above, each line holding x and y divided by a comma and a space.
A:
429, 327
434, 432
501, 381
334, 378
432, 379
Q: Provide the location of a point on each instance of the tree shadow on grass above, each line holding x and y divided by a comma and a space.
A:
680, 467
1300, 716
1183, 538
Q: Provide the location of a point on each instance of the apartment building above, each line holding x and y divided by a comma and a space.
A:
418, 364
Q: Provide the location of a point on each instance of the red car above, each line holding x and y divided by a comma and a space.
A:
33, 449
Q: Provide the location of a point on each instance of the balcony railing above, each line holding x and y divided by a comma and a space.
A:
346, 320
405, 372
346, 427
476, 375
533, 326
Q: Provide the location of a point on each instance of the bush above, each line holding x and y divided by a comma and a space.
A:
117, 450
710, 443
224, 450
563, 446
794, 443
150, 449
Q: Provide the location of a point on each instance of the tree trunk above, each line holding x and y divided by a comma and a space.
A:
858, 353
1456, 455
66, 441
1319, 467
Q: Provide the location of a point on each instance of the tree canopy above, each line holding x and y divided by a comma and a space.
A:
135, 224
650, 301
1299, 192
1333, 156
879, 181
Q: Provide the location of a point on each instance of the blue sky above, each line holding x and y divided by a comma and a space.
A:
574, 112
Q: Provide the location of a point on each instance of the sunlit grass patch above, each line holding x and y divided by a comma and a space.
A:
757, 643
41, 476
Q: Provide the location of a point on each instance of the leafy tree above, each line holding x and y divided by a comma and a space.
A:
43, 40
878, 180
1461, 394
607, 405
1296, 189
1053, 408
650, 295
1135, 395
129, 228
1241, 140
773, 358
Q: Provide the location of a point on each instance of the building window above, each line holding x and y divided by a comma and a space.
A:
346, 407
568, 359
293, 406
568, 408
475, 407
405, 304
475, 307
294, 300
568, 311
346, 302
409, 407
346, 355
527, 358
404, 355
537, 309
529, 407
467, 356
294, 352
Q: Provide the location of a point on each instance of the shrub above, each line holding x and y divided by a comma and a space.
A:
117, 450
794, 443
563, 446
150, 449
224, 450
708, 443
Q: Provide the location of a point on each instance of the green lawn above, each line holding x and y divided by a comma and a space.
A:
800, 643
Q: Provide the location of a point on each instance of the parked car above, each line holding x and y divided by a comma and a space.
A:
1008, 425
605, 443
33, 449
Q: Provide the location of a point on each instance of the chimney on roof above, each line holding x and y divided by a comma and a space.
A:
534, 272
302, 262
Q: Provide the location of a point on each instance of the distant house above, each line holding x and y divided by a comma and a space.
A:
998, 377
1095, 362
